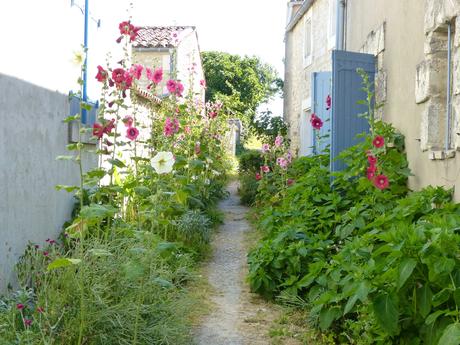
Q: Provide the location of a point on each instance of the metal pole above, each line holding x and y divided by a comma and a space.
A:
85, 67
448, 101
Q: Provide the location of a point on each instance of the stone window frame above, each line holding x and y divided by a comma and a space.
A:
431, 91
332, 25
307, 59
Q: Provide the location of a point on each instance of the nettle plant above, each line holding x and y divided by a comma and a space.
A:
142, 217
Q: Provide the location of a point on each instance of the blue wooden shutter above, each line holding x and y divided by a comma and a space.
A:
321, 88
346, 92
88, 117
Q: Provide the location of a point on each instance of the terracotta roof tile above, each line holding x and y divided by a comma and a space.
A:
161, 36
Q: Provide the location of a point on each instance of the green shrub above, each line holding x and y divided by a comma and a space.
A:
194, 227
248, 189
250, 161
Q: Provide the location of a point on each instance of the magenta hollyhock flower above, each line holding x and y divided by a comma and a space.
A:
316, 122
372, 160
203, 83
328, 102
258, 177
20, 306
136, 71
289, 157
171, 86
102, 74
128, 81
27, 322
128, 29
98, 130
108, 128
132, 133
45, 253
290, 182
265, 148
278, 141
157, 76
128, 121
265, 168
381, 182
118, 75
378, 141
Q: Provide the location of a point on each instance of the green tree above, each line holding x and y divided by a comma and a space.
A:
241, 83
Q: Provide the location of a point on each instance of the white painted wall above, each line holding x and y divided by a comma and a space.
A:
32, 134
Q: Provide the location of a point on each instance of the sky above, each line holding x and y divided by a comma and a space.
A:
40, 36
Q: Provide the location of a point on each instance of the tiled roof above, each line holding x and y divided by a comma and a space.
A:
161, 36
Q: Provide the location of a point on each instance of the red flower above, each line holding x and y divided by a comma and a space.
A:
128, 29
258, 177
19, 306
381, 182
372, 160
118, 75
290, 181
316, 122
371, 172
265, 168
46, 253
109, 126
98, 130
132, 133
203, 83
328, 102
101, 74
27, 322
136, 71
378, 141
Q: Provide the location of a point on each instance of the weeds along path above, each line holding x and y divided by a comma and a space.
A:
238, 317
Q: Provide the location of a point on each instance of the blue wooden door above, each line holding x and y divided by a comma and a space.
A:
321, 90
346, 92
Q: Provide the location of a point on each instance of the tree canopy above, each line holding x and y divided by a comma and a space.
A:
242, 83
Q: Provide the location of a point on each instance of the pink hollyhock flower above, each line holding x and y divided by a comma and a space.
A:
45, 253
370, 175
128, 81
316, 122
128, 29
128, 121
132, 133
197, 148
378, 141
328, 102
27, 322
290, 182
212, 114
289, 157
136, 71
102, 74
381, 182
282, 162
108, 128
171, 86
203, 83
265, 148
265, 168
98, 130
157, 76
170, 127
40, 310
179, 89
278, 141
258, 177
149, 73
20, 306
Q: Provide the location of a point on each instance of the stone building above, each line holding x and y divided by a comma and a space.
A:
416, 45
309, 39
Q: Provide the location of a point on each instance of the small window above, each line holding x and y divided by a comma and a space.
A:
332, 24
308, 42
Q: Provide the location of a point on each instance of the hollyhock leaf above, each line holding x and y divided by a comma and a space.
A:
95, 211
66, 188
72, 118
133, 270
116, 162
62, 262
142, 190
451, 335
163, 283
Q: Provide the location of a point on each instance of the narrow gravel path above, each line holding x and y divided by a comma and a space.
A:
239, 317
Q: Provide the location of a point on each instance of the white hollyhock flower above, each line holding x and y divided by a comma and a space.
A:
163, 162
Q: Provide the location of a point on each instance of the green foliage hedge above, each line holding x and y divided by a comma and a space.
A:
372, 266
